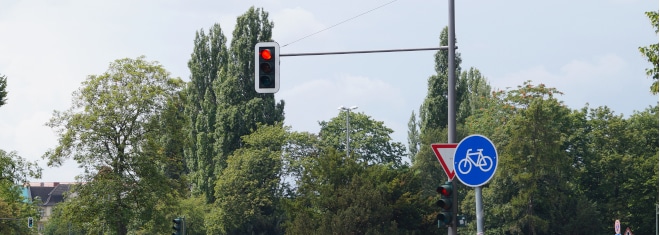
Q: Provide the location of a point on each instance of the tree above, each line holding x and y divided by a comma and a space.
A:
651, 53
337, 195
3, 90
13, 207
58, 224
475, 92
413, 137
641, 167
166, 143
240, 108
616, 161
208, 65
370, 140
105, 131
433, 112
535, 159
365, 193
249, 188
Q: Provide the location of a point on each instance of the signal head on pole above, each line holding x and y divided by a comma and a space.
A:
267, 67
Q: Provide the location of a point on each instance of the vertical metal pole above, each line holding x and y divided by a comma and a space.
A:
480, 210
451, 106
348, 140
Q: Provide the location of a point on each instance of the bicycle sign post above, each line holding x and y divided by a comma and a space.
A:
475, 162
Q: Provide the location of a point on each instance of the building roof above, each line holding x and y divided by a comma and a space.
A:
51, 194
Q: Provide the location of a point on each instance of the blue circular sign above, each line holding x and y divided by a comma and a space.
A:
475, 160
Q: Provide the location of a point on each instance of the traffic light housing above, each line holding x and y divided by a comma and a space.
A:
178, 226
30, 222
445, 203
267, 67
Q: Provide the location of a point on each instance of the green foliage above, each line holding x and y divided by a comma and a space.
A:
13, 207
474, 92
370, 140
651, 53
240, 107
207, 64
337, 195
535, 160
564, 172
248, 190
59, 224
222, 107
14, 168
617, 165
369, 192
107, 131
433, 111
3, 90
413, 137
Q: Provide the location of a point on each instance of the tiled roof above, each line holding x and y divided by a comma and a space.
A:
50, 195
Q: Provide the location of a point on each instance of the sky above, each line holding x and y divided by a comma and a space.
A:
586, 49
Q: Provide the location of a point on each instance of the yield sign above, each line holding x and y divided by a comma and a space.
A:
445, 154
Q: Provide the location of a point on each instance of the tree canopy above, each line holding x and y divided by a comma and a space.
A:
105, 131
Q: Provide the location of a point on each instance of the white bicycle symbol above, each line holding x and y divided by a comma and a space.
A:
485, 163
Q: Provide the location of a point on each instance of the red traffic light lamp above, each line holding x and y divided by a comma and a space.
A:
266, 54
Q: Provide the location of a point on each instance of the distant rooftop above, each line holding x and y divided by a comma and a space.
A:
50, 193
48, 184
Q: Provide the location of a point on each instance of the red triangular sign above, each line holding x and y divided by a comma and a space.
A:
445, 155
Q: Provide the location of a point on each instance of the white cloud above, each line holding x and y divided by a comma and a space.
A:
294, 23
598, 81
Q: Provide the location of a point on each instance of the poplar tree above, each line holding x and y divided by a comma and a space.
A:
240, 108
207, 62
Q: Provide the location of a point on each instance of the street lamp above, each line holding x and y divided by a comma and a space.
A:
348, 140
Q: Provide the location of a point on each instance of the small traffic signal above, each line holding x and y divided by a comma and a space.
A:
30, 222
445, 203
267, 67
178, 227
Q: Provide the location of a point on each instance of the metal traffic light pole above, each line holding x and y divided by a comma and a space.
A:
451, 106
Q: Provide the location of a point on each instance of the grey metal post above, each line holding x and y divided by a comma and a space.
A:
451, 106
348, 138
480, 210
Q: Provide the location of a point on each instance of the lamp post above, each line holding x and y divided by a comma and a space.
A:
348, 140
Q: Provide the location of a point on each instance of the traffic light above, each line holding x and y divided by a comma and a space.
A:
445, 203
30, 222
178, 227
267, 67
